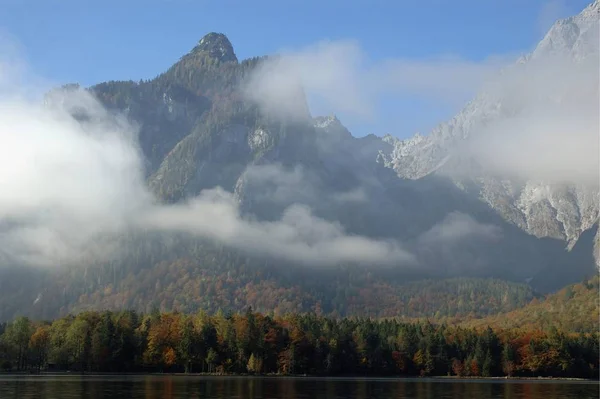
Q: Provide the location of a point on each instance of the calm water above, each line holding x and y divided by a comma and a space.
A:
170, 387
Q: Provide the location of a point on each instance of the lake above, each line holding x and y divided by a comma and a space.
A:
171, 387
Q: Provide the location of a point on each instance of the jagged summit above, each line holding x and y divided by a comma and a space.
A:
216, 45
331, 125
324, 121
592, 10
543, 210
577, 34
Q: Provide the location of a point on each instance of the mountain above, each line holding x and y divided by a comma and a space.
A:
541, 208
326, 156
310, 216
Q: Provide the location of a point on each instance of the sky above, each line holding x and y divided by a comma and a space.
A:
89, 42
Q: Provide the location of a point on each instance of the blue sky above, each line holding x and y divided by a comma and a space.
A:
89, 41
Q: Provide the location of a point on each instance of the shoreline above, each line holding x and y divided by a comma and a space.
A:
445, 378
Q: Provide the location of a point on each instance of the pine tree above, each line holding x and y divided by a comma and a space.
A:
508, 359
487, 367
429, 363
186, 344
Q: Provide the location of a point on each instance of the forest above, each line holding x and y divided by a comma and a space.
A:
294, 344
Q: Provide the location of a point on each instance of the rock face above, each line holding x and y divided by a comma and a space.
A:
541, 208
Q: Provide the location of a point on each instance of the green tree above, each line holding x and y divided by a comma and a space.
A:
78, 340
17, 336
486, 370
104, 347
187, 347
211, 359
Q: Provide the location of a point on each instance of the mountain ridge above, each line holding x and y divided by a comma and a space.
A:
297, 182
258, 140
562, 211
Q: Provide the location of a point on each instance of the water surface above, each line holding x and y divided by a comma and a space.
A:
171, 387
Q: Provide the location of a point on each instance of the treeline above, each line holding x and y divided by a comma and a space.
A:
294, 344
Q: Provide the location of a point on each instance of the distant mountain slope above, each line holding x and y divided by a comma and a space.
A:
574, 308
237, 282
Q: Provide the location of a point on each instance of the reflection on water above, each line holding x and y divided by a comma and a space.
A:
171, 387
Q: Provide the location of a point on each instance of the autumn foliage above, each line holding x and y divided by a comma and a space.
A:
255, 343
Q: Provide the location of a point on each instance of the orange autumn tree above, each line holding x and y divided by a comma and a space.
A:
163, 337
39, 343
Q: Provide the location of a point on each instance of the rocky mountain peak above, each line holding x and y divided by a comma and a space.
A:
325, 121
332, 126
216, 45
592, 11
576, 34
538, 208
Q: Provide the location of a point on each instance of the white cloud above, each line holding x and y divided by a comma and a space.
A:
16, 78
357, 195
339, 75
298, 235
458, 227
276, 183
457, 245
63, 183
549, 125
70, 188
282, 185
551, 11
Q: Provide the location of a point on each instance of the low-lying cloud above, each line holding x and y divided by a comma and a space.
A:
64, 183
457, 227
454, 244
72, 185
277, 184
339, 75
69, 185
281, 185
71, 188
298, 236
549, 124
536, 120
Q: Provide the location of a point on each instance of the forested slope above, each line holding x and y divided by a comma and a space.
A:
237, 282
574, 308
